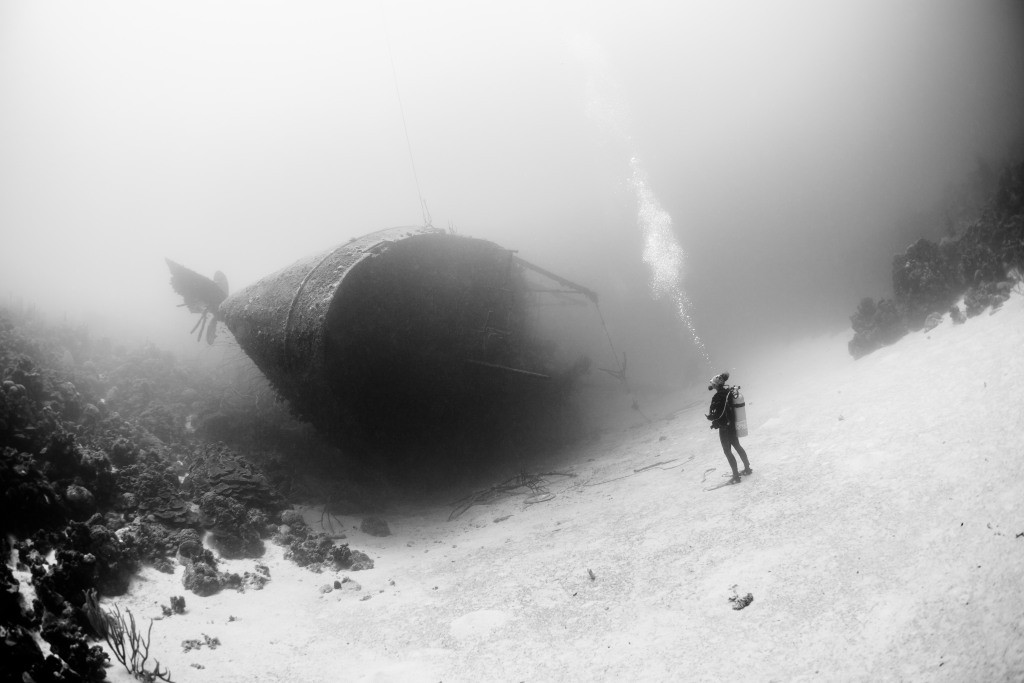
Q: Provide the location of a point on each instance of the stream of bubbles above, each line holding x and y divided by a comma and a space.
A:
662, 252
663, 255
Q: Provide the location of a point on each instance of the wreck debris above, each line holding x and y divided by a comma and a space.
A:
534, 482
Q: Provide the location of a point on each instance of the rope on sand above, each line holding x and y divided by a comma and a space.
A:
637, 471
539, 498
647, 467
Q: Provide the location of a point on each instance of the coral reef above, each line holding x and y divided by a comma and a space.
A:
202, 578
875, 325
980, 265
102, 471
985, 295
924, 279
234, 529
68, 640
149, 488
215, 468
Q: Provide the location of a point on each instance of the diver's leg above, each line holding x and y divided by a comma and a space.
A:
723, 436
735, 441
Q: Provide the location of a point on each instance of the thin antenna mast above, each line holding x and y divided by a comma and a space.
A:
405, 126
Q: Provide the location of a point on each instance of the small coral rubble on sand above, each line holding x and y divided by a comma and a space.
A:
317, 551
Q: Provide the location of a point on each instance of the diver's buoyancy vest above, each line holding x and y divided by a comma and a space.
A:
719, 411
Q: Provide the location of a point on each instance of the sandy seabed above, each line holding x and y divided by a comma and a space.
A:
881, 536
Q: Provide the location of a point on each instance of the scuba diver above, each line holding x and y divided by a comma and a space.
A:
723, 418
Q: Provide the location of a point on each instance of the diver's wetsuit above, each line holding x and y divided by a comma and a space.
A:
722, 415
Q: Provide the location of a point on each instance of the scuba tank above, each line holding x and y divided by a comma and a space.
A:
740, 411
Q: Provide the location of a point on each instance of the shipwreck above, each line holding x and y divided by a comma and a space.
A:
408, 342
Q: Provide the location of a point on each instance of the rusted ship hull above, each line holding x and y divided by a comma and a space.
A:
407, 340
